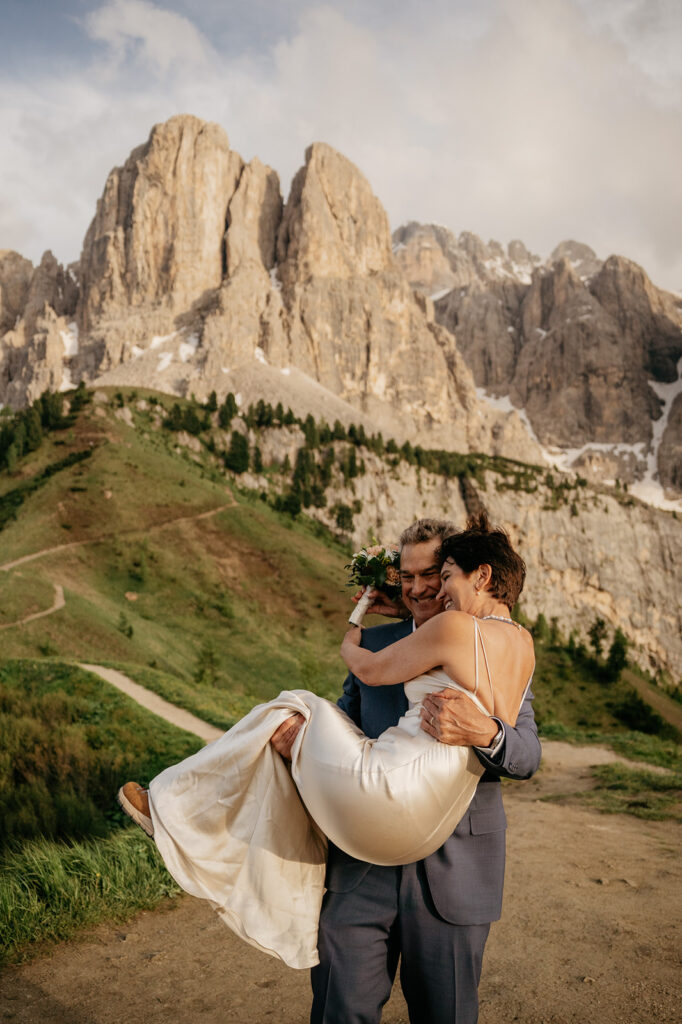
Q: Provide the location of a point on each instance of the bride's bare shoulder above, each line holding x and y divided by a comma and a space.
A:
451, 623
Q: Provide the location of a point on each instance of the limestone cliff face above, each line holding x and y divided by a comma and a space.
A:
354, 322
356, 326
155, 246
41, 338
15, 278
602, 557
589, 350
247, 313
310, 286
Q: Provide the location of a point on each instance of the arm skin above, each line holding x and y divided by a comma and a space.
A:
518, 756
431, 645
445, 640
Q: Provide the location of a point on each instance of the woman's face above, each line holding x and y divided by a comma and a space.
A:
457, 587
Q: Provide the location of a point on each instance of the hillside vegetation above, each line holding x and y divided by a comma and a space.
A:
215, 597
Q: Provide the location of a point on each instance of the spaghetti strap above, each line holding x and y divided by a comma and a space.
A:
479, 636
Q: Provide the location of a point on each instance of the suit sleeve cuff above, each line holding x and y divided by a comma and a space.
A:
495, 749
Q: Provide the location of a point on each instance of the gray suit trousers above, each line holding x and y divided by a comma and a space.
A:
361, 936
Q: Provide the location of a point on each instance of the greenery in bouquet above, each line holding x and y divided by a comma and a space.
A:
376, 567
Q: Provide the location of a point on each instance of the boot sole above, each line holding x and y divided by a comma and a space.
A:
138, 817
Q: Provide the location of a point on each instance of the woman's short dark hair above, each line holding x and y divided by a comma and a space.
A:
480, 544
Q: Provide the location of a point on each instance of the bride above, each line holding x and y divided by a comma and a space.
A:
229, 821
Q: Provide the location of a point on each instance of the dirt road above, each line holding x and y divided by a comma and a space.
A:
590, 933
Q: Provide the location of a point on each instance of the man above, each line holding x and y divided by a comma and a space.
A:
435, 914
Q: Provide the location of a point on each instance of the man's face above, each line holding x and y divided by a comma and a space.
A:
420, 580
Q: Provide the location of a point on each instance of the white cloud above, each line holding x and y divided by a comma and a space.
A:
509, 119
163, 38
651, 33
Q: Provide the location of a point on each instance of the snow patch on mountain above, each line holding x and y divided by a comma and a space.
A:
70, 340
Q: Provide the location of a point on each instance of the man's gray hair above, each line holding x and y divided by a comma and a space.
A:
424, 530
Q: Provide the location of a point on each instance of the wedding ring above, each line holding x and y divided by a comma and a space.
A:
433, 720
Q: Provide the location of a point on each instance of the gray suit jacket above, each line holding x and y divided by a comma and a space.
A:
466, 874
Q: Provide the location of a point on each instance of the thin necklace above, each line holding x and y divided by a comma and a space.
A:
501, 618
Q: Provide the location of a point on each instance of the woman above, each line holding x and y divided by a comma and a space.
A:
228, 821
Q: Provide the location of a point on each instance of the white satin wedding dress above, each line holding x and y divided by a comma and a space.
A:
234, 826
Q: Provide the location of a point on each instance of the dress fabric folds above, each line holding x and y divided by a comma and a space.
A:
236, 827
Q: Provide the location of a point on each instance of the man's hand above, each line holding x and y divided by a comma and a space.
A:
452, 718
283, 739
383, 605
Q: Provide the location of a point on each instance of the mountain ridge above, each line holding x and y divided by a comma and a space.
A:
589, 350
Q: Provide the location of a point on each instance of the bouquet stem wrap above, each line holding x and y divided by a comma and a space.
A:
360, 610
373, 568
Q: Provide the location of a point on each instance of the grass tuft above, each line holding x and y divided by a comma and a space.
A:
49, 890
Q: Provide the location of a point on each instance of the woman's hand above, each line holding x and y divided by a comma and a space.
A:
349, 645
451, 717
353, 636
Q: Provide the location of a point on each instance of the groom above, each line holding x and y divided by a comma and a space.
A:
434, 914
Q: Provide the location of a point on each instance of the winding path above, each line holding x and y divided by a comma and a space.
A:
152, 702
58, 603
59, 600
669, 710
123, 533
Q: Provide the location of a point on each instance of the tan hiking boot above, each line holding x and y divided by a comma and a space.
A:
134, 800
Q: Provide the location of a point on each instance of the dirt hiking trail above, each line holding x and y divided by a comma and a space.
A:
121, 533
152, 702
590, 932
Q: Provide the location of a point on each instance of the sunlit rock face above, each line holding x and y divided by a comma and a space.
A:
600, 557
590, 350
155, 249
195, 274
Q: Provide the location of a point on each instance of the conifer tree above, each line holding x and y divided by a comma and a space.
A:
236, 457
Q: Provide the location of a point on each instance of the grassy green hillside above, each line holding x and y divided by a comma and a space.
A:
244, 601
67, 741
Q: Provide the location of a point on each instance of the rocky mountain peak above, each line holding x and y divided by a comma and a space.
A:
333, 226
583, 259
436, 261
253, 218
590, 350
15, 279
156, 242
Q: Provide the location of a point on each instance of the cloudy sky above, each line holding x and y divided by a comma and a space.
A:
533, 119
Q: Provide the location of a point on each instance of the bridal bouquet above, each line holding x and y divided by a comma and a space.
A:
373, 568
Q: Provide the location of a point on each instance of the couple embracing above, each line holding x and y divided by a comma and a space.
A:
396, 769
